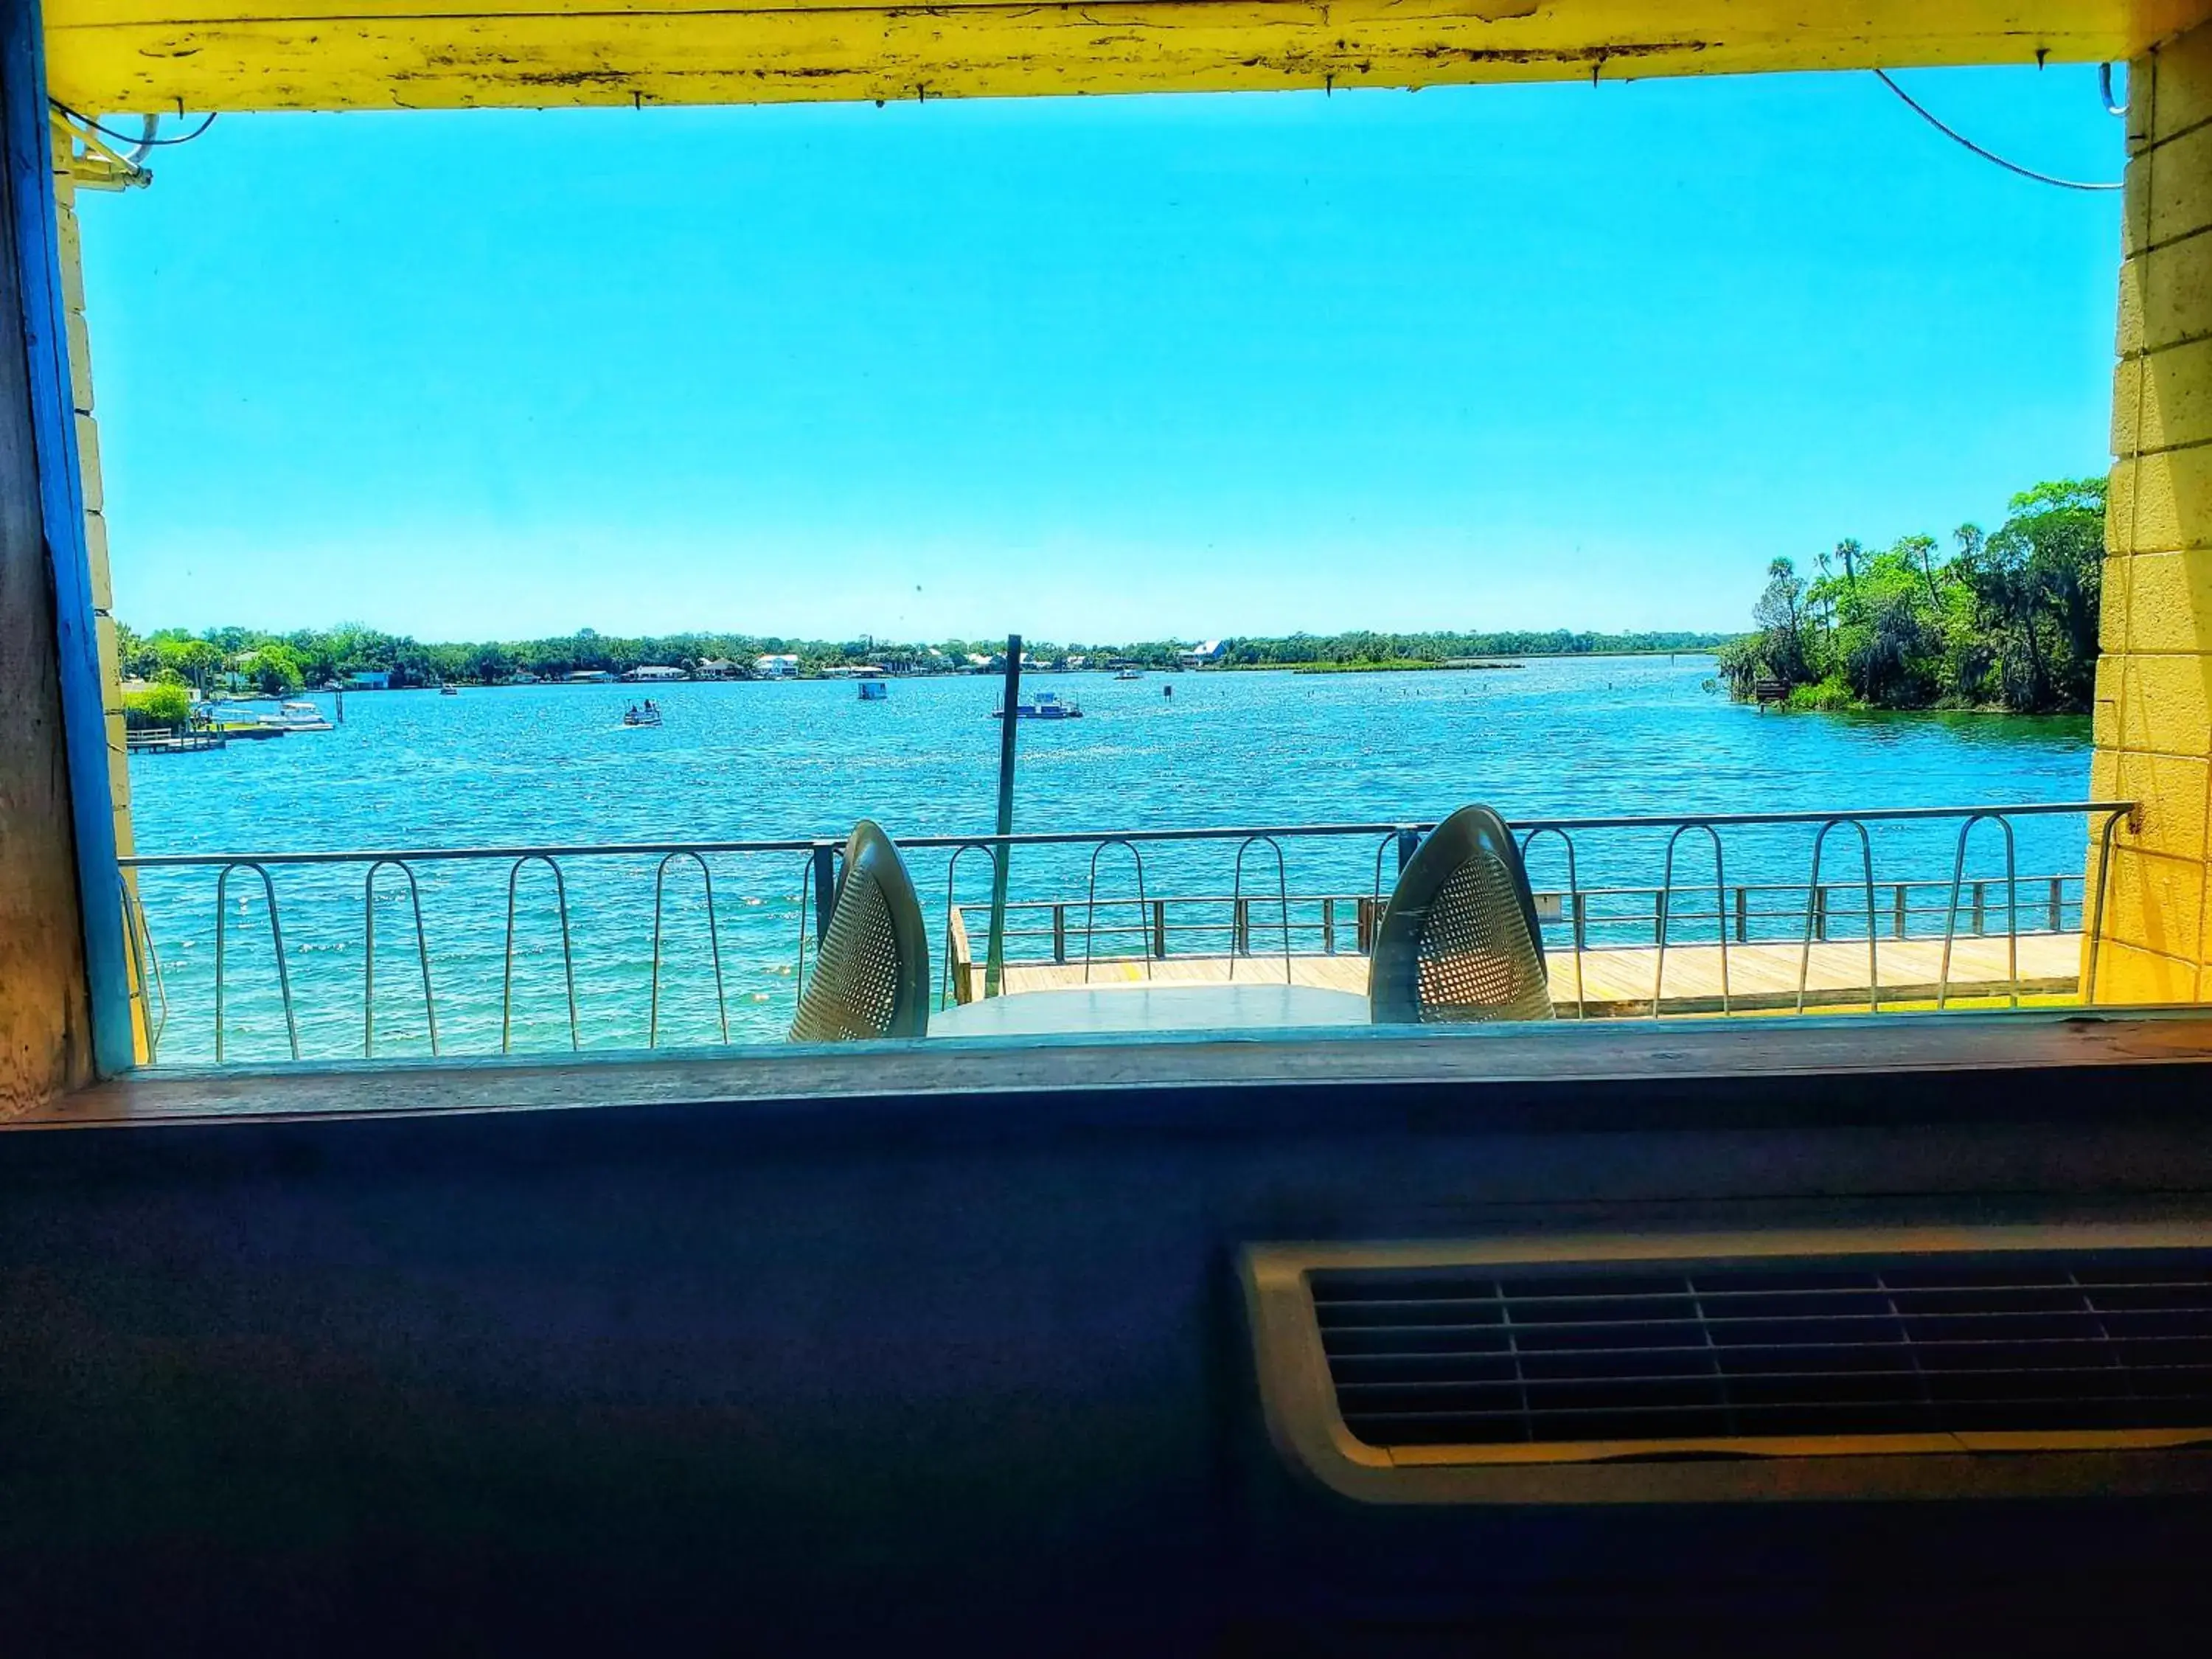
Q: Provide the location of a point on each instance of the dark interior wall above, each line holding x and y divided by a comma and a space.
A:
863, 1373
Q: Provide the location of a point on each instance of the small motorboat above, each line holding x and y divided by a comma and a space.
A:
648, 715
1130, 674
293, 717
240, 720
1044, 705
449, 691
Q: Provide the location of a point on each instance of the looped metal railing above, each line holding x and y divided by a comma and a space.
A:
1405, 839
2012, 915
277, 942
1720, 918
713, 946
954, 935
1814, 899
368, 955
1574, 913
2096, 929
153, 993
1937, 941
1090, 903
807, 904
1241, 944
568, 954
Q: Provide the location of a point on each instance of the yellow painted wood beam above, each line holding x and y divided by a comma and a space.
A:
112, 56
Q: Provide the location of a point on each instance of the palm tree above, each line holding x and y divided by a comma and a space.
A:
1848, 551
1925, 546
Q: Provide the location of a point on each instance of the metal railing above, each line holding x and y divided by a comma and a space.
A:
1343, 923
636, 989
1650, 921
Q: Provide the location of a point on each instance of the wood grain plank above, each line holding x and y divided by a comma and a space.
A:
1667, 1058
116, 55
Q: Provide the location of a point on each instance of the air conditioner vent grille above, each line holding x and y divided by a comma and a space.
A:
1436, 1356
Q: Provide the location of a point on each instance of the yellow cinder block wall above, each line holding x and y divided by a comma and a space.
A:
96, 521
2153, 714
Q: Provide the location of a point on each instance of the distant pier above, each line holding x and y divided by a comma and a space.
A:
173, 743
1613, 984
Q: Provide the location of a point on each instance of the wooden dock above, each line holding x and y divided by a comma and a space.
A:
1761, 978
173, 743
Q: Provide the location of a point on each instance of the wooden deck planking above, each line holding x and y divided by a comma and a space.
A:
1760, 977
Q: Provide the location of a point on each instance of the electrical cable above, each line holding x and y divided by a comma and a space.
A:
1987, 156
149, 125
2104, 88
113, 137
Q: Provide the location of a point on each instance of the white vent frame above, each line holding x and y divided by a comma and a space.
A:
1298, 1397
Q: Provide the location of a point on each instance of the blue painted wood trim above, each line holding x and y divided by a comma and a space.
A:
24, 137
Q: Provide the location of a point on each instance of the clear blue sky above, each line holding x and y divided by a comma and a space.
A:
1092, 368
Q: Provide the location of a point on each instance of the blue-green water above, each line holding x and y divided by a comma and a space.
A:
744, 760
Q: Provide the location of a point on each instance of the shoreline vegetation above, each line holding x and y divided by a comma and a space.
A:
2004, 622
251, 661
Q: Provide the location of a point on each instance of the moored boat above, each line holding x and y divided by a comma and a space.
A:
1044, 705
296, 717
236, 718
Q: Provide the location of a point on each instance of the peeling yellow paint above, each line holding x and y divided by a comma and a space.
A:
69, 244
142, 55
2153, 721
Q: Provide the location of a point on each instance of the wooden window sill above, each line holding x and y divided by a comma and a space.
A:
1554, 1075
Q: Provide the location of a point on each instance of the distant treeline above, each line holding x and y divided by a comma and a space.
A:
1401, 650
2008, 620
282, 663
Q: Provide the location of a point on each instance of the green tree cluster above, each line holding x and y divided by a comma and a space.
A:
2003, 621
166, 707
1302, 650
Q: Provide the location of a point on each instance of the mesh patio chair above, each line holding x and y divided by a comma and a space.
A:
872, 978
1459, 940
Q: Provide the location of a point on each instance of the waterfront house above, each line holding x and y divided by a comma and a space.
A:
369, 679
590, 677
782, 665
715, 668
1203, 656
655, 674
